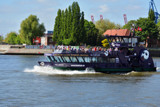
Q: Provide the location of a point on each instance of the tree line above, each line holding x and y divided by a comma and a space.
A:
150, 31
30, 28
71, 28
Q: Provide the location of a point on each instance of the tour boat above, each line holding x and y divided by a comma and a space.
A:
125, 54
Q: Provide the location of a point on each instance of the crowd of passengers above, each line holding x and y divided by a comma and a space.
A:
80, 49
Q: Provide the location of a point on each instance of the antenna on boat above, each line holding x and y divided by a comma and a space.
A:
133, 26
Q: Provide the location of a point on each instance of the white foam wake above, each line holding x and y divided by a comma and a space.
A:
51, 71
158, 69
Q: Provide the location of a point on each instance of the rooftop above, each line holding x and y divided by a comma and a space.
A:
117, 32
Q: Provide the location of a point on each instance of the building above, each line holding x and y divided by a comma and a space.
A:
47, 39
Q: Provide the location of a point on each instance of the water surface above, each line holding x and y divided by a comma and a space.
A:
24, 84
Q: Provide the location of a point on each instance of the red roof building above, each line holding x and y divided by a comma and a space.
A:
118, 32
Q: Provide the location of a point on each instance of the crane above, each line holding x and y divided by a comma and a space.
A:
154, 8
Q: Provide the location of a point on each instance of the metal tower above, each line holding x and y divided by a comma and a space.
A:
92, 18
153, 7
101, 17
125, 18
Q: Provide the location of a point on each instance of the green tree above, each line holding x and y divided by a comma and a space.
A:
11, 38
57, 28
82, 30
31, 28
129, 24
68, 28
62, 32
103, 25
75, 23
1, 39
158, 25
151, 15
149, 29
18, 40
91, 34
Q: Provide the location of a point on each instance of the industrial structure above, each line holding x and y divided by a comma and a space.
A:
154, 8
125, 18
92, 18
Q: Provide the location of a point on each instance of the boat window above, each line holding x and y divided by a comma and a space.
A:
105, 60
94, 59
126, 40
64, 60
56, 59
80, 59
130, 40
117, 60
60, 59
49, 58
73, 59
100, 60
112, 60
52, 58
134, 40
67, 59
88, 59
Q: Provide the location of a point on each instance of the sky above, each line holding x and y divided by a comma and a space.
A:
13, 12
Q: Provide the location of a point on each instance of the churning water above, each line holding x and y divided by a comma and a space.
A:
51, 71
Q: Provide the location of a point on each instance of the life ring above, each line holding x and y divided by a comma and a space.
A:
106, 53
113, 44
144, 55
42, 63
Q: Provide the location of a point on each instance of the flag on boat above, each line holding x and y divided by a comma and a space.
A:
139, 28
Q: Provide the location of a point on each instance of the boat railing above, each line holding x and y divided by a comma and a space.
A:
77, 51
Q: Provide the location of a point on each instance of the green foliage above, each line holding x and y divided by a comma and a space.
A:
149, 29
91, 34
151, 15
72, 29
30, 28
68, 23
1, 39
129, 24
18, 40
158, 25
11, 38
103, 25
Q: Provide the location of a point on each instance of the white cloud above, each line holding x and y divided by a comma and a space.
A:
133, 7
41, 1
103, 9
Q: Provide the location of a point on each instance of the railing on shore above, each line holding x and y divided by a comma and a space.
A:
33, 46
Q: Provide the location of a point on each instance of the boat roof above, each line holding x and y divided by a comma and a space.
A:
114, 32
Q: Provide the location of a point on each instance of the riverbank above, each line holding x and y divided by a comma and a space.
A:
154, 52
21, 50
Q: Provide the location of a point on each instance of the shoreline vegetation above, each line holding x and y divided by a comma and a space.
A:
71, 28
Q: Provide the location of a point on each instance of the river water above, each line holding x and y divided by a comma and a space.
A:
24, 84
